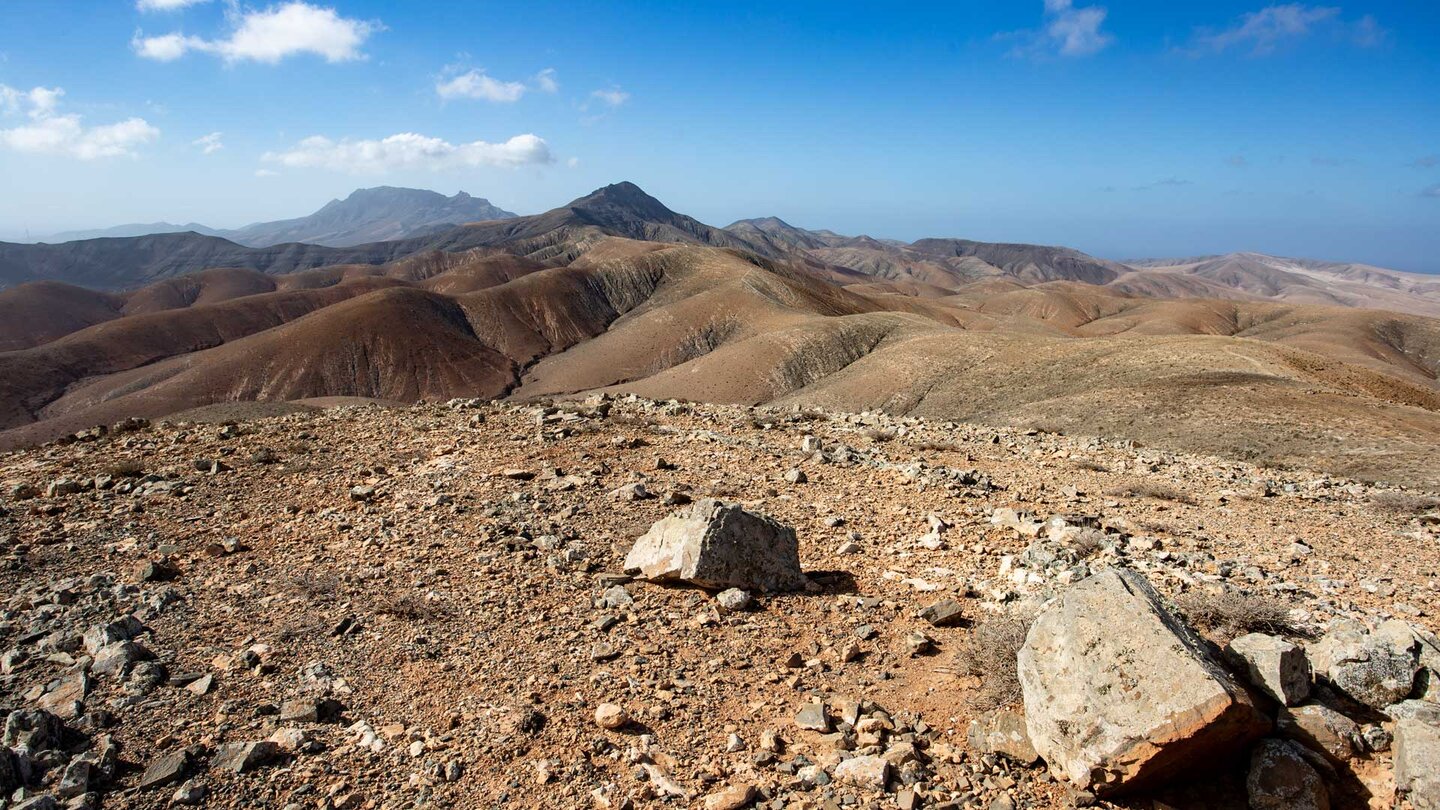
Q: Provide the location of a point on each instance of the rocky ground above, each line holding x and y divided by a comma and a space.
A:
388, 608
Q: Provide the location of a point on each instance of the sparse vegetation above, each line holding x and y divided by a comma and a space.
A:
878, 435
1092, 466
322, 586
1154, 491
1404, 503
987, 653
1233, 613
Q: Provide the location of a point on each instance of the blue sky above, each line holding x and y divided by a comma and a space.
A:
1123, 128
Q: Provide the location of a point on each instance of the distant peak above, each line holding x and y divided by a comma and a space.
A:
624, 195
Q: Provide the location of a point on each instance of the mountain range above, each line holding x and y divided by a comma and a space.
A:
1278, 361
367, 215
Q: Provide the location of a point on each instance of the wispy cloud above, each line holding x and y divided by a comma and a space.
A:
1432, 192
1425, 162
166, 5
209, 144
475, 84
409, 150
1163, 183
1065, 30
613, 97
47, 131
1236, 162
269, 36
1263, 32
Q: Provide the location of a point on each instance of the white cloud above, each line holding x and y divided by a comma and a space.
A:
613, 97
1067, 31
266, 173
1261, 32
269, 36
48, 132
166, 5
475, 84
573, 163
209, 144
409, 150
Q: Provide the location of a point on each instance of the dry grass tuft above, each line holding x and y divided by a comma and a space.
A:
1149, 489
1232, 613
988, 653
1092, 466
878, 435
412, 608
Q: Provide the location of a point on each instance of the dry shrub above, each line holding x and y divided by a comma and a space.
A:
937, 446
1092, 466
878, 435
411, 608
1403, 503
1150, 489
987, 653
1232, 613
317, 586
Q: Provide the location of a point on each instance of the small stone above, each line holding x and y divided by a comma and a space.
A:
239, 757
1321, 729
864, 771
611, 716
191, 793
796, 476
515, 474
1280, 669
733, 600
1003, 732
730, 798
1281, 779
300, 710
917, 643
945, 613
166, 769
811, 717
362, 493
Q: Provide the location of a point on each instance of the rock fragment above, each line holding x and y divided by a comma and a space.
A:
1119, 694
1280, 778
1277, 667
719, 545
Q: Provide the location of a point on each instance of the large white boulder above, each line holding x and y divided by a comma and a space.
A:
1119, 694
720, 545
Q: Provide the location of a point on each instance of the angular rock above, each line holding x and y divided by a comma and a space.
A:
167, 769
1321, 729
719, 545
811, 717
1277, 667
1119, 694
239, 757
945, 613
1417, 753
1375, 667
1003, 732
864, 771
730, 798
33, 731
1281, 779
733, 600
